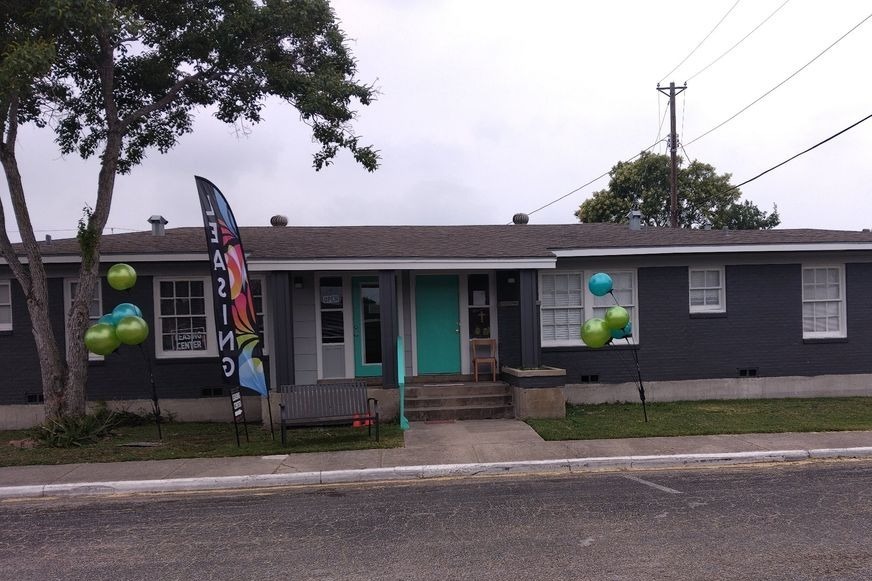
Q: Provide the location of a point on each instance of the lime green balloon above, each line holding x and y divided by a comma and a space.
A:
121, 276
595, 333
617, 318
131, 330
101, 339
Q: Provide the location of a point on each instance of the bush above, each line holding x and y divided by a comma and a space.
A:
75, 431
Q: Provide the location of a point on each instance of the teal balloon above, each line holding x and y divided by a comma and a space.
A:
101, 339
617, 317
595, 333
121, 276
125, 310
600, 284
627, 331
107, 318
132, 330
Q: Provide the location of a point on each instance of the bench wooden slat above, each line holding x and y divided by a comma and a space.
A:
327, 403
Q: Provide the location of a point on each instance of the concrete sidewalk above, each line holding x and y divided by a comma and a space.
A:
432, 450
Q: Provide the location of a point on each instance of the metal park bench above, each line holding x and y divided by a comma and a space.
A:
328, 404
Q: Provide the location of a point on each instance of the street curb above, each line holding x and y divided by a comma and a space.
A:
425, 472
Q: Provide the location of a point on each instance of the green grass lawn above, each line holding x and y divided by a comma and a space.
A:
689, 418
195, 440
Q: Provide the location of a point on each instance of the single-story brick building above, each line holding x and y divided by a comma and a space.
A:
715, 313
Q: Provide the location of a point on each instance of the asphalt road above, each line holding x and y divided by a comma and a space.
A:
808, 521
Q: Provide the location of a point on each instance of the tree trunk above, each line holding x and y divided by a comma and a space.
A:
33, 281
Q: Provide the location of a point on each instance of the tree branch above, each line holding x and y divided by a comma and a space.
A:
169, 97
106, 69
10, 166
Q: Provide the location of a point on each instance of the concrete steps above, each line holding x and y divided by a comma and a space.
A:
459, 401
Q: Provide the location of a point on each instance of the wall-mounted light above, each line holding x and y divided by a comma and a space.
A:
511, 280
298, 282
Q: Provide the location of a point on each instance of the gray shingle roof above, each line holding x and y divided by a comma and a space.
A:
489, 241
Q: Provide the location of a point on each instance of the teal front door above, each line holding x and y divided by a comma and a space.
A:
366, 308
437, 318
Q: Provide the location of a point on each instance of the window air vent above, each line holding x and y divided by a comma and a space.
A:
590, 378
748, 372
212, 392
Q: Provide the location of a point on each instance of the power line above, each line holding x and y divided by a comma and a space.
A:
770, 91
700, 42
599, 177
729, 50
662, 120
774, 167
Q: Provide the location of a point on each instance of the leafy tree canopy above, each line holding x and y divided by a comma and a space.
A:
160, 60
704, 196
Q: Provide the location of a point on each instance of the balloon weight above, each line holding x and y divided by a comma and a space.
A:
101, 339
600, 284
121, 276
617, 317
595, 333
131, 330
125, 310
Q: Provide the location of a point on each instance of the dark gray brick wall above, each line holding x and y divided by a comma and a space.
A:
509, 318
18, 357
122, 375
761, 329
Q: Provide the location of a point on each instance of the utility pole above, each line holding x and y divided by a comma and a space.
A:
673, 150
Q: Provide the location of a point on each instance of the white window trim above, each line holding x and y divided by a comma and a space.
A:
585, 305
722, 307
68, 303
157, 332
588, 304
7, 326
266, 339
843, 300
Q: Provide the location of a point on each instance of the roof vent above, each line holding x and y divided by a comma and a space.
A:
635, 219
48, 238
520, 218
157, 225
279, 221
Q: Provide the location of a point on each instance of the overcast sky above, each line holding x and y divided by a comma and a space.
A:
488, 108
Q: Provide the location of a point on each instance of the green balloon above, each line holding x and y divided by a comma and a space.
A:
121, 276
101, 339
131, 330
595, 333
617, 318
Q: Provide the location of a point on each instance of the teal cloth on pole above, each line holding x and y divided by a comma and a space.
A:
401, 383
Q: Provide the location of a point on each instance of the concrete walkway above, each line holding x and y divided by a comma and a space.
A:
462, 448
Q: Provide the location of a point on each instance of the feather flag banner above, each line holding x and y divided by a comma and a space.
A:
240, 345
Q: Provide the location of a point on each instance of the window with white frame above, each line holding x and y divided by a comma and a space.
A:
562, 307
566, 303
5, 305
707, 293
823, 302
95, 307
258, 295
184, 318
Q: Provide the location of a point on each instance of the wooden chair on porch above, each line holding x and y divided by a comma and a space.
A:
483, 352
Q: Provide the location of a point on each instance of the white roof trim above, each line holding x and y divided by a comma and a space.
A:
712, 249
339, 264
